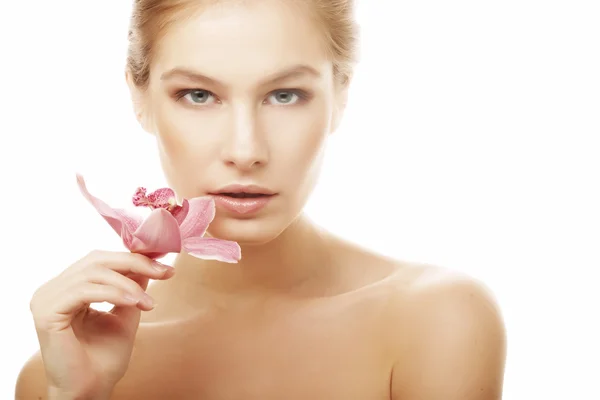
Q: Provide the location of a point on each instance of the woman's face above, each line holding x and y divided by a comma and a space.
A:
243, 95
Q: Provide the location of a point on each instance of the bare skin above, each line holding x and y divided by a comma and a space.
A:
304, 314
360, 328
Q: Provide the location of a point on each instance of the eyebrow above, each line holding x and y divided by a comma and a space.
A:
288, 73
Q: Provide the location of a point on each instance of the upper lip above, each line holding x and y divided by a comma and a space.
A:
236, 188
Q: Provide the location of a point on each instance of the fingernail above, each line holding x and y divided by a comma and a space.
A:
147, 300
160, 267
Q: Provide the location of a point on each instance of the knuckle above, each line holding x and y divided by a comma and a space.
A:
94, 254
94, 269
99, 256
38, 312
89, 273
33, 306
90, 259
35, 298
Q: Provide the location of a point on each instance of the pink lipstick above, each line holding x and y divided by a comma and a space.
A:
242, 199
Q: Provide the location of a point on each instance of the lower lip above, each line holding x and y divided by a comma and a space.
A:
242, 206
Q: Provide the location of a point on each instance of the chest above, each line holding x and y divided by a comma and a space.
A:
331, 352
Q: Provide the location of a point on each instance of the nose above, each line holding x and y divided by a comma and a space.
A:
245, 148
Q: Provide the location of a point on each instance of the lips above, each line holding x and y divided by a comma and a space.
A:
242, 199
243, 195
242, 205
238, 190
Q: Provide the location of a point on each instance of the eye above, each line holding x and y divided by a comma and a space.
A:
203, 97
197, 96
287, 96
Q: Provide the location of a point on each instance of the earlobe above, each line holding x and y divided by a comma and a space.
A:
139, 103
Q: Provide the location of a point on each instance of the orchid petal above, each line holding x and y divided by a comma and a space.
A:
213, 249
200, 215
159, 233
122, 221
181, 212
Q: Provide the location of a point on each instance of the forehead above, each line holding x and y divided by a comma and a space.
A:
243, 39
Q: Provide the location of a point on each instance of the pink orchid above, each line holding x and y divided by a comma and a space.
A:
170, 228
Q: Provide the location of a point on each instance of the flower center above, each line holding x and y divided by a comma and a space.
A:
160, 198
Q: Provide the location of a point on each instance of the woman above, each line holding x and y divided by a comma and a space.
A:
246, 94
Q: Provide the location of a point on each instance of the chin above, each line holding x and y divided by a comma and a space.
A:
248, 231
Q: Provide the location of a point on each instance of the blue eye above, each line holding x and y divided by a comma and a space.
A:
197, 96
286, 96
281, 97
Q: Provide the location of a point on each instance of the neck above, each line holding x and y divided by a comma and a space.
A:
298, 258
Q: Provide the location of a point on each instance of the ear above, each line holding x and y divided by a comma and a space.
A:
139, 101
339, 108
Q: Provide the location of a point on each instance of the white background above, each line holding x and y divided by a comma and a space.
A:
477, 123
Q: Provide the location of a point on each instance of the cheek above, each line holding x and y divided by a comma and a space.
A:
185, 150
182, 144
301, 139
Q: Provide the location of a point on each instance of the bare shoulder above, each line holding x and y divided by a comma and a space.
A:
426, 293
448, 337
438, 301
443, 330
31, 382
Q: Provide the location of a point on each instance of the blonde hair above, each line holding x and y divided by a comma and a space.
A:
151, 18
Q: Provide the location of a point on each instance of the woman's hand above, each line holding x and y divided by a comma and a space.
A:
85, 351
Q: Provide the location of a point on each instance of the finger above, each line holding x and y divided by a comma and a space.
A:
104, 276
57, 313
124, 263
130, 316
